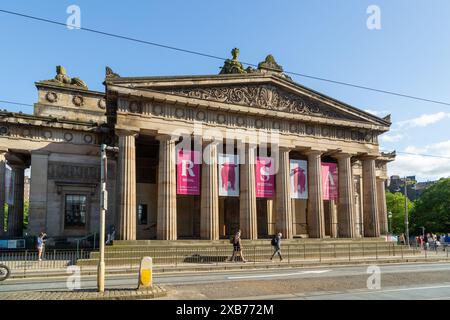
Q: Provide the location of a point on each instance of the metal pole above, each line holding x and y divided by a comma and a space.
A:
406, 214
103, 208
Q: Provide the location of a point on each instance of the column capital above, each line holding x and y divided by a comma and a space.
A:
126, 132
166, 137
343, 155
208, 141
285, 149
314, 153
368, 157
40, 152
3, 150
17, 166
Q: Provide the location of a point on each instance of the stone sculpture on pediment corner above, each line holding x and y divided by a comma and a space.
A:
63, 79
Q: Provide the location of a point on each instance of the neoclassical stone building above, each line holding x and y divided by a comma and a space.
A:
250, 113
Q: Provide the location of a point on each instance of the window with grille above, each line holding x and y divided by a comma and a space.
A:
75, 210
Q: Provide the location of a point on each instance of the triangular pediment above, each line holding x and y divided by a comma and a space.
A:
265, 96
255, 91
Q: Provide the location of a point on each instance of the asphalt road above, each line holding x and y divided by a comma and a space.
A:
397, 281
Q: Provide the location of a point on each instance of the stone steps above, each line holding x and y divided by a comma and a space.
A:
201, 251
215, 256
162, 252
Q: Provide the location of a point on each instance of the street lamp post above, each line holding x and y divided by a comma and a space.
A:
406, 214
390, 221
103, 209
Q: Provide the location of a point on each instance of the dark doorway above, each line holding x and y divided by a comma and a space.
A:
229, 216
261, 217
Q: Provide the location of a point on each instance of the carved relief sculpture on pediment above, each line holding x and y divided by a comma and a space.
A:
260, 96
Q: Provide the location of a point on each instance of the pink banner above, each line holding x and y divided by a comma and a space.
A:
265, 177
188, 172
228, 175
329, 181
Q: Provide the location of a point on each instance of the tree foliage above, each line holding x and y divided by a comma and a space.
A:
396, 205
432, 209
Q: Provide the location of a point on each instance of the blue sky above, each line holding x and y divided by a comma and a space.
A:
330, 39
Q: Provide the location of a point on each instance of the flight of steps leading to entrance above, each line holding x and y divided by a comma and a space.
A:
129, 253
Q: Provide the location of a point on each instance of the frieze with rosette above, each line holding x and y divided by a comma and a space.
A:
247, 121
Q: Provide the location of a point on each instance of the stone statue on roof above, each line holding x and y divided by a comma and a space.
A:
269, 65
233, 66
62, 78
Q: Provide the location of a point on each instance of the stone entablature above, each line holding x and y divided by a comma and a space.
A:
75, 103
244, 121
48, 129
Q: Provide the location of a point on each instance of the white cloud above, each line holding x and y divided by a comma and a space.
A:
423, 120
391, 137
423, 167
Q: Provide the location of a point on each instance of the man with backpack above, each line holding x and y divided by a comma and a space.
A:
276, 244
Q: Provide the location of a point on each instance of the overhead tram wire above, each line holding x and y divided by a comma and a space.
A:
17, 103
422, 155
198, 53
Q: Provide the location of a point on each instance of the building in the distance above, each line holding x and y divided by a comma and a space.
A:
198, 157
413, 188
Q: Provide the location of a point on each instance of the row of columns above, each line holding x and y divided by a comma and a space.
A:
343, 219
14, 227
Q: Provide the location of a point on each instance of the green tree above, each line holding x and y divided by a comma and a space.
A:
396, 205
432, 209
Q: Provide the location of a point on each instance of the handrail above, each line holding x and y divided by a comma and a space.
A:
85, 238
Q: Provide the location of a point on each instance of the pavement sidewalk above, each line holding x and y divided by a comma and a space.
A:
113, 294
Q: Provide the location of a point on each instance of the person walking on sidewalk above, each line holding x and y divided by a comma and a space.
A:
41, 244
276, 244
237, 247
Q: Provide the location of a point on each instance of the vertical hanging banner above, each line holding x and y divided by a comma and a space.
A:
265, 177
9, 186
228, 175
188, 172
299, 179
329, 181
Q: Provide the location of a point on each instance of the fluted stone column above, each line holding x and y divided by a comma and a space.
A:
209, 215
2, 190
284, 220
127, 189
271, 224
382, 207
370, 202
346, 205
166, 226
15, 212
316, 218
247, 214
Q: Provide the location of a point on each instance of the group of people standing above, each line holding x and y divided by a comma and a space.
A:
237, 247
431, 240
